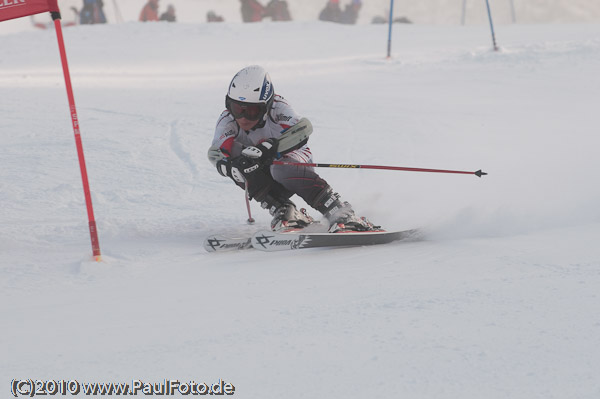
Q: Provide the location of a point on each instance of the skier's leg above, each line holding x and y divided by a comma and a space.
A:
306, 183
274, 197
300, 180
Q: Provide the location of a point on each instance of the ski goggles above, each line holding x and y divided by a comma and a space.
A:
250, 111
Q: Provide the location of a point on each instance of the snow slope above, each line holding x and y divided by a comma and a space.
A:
499, 301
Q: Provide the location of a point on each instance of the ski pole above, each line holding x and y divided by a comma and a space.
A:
250, 218
478, 173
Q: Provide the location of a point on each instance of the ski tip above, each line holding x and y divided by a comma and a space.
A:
479, 173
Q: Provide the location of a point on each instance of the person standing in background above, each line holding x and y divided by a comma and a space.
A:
169, 15
277, 10
350, 14
150, 11
332, 12
252, 11
212, 16
92, 12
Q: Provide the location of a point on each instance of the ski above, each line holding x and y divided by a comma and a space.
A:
226, 242
272, 241
220, 243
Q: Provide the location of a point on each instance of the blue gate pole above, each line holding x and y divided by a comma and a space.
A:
389, 48
512, 11
491, 25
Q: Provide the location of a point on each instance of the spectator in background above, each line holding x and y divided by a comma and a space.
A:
150, 11
383, 20
252, 11
278, 11
332, 12
378, 19
169, 15
92, 12
350, 14
402, 20
211, 16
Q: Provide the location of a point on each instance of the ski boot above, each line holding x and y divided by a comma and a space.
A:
340, 215
287, 217
346, 220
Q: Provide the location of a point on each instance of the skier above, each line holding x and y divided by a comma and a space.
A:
246, 143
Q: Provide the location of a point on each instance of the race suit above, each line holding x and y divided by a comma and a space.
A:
284, 180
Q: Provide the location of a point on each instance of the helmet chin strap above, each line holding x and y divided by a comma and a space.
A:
260, 124
262, 121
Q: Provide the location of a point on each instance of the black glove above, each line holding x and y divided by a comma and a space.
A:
243, 168
249, 165
231, 168
224, 167
250, 173
263, 153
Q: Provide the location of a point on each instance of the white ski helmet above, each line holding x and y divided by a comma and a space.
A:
250, 94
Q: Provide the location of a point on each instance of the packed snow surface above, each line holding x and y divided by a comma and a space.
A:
500, 300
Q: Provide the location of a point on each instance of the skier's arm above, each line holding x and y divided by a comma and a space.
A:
225, 164
224, 145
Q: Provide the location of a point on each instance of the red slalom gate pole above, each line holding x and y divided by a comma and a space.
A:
478, 173
75, 120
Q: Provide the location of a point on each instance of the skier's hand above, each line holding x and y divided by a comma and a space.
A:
264, 152
224, 167
229, 168
243, 168
251, 160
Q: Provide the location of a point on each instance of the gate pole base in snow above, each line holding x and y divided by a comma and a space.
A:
75, 120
